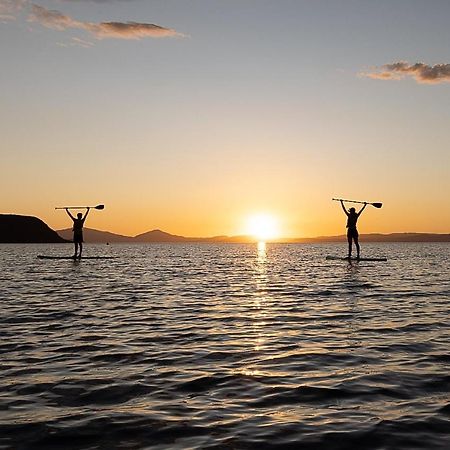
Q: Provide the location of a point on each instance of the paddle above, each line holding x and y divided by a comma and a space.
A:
377, 205
82, 207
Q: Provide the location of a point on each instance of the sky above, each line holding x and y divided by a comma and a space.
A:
190, 116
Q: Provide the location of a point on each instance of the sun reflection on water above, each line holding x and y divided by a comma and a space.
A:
259, 309
262, 252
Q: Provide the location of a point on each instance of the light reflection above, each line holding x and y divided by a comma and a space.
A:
260, 300
251, 372
262, 252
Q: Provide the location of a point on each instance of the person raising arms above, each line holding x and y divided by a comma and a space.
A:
77, 229
352, 232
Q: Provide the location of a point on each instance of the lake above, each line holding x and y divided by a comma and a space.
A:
225, 346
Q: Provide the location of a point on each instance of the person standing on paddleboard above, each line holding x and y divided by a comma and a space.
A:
352, 232
77, 229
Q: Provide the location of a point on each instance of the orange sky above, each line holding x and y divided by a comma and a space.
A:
192, 126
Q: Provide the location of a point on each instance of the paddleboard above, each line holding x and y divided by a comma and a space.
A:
74, 259
346, 258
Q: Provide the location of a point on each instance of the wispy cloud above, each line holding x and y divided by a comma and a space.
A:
52, 19
118, 30
10, 8
76, 42
422, 73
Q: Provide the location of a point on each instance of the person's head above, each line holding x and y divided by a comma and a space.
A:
79, 215
352, 210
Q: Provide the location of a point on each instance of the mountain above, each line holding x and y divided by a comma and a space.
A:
97, 236
91, 235
26, 229
159, 236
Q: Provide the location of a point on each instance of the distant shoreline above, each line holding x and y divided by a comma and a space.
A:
27, 229
158, 236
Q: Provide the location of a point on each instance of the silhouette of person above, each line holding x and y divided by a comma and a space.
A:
352, 232
77, 229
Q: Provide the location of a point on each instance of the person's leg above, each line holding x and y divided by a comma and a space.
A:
76, 249
81, 249
349, 239
357, 246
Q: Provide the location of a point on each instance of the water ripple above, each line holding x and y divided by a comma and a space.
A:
225, 347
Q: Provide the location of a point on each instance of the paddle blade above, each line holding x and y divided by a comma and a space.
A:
100, 207
377, 205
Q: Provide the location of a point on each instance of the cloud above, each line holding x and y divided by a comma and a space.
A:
10, 8
118, 30
129, 30
81, 42
422, 73
52, 19
76, 42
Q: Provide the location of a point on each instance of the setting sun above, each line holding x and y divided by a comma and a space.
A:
262, 227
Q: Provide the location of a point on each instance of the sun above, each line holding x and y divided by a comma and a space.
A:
262, 226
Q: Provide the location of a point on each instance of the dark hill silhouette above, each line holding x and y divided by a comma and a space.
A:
96, 236
159, 236
15, 229
91, 235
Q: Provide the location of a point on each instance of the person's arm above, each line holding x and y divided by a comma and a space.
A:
70, 215
343, 207
362, 209
87, 212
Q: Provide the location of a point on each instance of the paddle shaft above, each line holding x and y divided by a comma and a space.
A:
376, 205
81, 207
348, 201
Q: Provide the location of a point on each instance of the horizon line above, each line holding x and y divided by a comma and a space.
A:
253, 239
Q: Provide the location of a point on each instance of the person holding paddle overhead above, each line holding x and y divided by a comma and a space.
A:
352, 232
77, 229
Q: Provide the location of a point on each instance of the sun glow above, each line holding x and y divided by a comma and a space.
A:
262, 227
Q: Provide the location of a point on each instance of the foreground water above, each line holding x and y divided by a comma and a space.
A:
225, 346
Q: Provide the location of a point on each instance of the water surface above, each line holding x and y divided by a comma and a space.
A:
225, 346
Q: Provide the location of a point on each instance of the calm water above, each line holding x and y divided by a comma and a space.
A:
225, 347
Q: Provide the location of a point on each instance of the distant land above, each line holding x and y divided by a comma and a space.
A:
378, 237
15, 229
28, 229
97, 236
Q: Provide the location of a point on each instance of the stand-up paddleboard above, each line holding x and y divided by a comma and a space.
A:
75, 259
346, 258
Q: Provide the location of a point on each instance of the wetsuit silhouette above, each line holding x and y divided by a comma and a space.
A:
77, 229
352, 232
